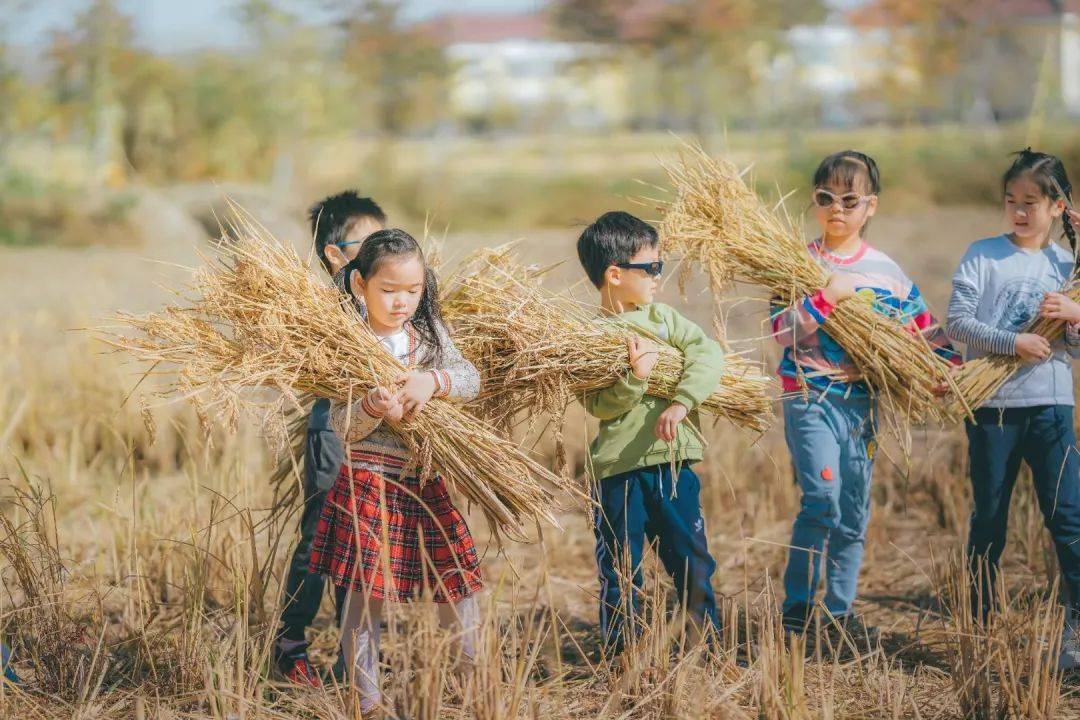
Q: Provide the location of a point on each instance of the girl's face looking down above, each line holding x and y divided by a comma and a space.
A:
392, 293
841, 211
1028, 211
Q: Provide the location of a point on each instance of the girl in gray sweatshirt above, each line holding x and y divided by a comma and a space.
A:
1003, 284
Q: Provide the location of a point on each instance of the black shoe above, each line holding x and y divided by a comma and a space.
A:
336, 674
797, 619
850, 629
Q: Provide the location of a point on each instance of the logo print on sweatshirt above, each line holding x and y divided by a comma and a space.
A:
1017, 303
826, 474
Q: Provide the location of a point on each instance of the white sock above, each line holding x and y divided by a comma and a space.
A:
463, 618
360, 635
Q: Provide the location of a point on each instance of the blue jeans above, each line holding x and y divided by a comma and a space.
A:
645, 504
1044, 438
831, 440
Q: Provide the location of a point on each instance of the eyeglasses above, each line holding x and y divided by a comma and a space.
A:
848, 201
652, 269
347, 243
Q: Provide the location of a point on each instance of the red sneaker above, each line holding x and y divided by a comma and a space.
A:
296, 667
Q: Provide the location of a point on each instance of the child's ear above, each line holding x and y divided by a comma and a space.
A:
356, 283
1057, 208
335, 257
612, 276
871, 206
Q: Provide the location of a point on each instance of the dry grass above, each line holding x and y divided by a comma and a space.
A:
145, 578
171, 568
538, 350
260, 319
1004, 665
718, 222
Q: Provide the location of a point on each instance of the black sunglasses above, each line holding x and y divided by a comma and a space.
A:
652, 269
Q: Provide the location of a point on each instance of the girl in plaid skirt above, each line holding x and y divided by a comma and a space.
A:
384, 536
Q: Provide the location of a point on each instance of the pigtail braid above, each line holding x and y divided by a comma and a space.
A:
1070, 234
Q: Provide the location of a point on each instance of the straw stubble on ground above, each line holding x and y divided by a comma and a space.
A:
159, 558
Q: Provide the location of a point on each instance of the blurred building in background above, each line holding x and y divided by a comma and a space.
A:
94, 98
986, 61
513, 71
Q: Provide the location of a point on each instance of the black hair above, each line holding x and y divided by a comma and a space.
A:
333, 218
613, 238
1048, 172
394, 243
845, 169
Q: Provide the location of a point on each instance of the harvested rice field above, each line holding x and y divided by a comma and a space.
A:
142, 562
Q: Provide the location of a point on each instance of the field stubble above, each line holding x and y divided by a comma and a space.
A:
142, 579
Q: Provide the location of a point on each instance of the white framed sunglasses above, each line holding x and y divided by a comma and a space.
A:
848, 201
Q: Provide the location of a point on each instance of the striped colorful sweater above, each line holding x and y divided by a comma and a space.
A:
812, 357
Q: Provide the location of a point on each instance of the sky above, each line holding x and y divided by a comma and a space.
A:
183, 25
172, 26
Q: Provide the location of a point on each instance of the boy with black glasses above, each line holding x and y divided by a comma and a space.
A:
339, 224
640, 459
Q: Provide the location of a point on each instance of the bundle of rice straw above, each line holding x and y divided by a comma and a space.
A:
537, 350
718, 221
260, 319
979, 379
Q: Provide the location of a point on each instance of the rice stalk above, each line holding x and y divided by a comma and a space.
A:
537, 350
717, 221
980, 379
258, 319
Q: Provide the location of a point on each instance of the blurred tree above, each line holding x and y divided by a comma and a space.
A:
103, 32
276, 118
86, 61
592, 20
958, 51
711, 54
398, 67
20, 103
930, 39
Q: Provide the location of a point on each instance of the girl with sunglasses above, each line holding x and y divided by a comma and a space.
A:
829, 410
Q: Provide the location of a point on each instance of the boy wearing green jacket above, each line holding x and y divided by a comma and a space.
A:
641, 457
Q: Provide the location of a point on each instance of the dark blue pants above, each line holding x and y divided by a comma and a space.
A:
645, 504
1044, 438
304, 590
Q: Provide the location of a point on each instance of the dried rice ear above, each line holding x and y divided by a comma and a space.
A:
258, 319
537, 350
980, 379
718, 222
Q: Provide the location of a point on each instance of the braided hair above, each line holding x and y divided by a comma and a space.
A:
394, 243
1048, 172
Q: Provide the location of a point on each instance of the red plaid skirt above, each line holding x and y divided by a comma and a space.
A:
415, 534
